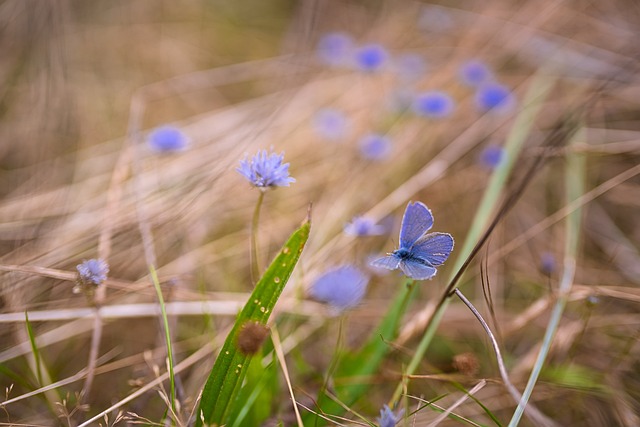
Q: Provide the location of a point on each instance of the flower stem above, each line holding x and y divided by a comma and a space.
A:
534, 413
255, 264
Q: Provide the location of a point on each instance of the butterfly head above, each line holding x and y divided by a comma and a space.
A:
402, 253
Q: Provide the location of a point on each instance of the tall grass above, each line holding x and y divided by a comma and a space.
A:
84, 84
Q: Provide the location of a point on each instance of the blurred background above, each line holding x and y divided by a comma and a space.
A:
374, 103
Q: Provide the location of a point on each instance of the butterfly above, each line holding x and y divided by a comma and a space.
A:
419, 253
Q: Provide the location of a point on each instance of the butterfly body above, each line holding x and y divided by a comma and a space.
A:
402, 253
420, 252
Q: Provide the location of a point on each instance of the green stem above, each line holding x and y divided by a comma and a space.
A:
156, 284
575, 173
255, 264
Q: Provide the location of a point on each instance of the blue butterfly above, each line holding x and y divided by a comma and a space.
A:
419, 253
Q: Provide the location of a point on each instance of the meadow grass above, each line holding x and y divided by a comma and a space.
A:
546, 232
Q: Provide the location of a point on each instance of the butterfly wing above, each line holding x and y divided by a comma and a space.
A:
417, 270
416, 221
390, 262
434, 248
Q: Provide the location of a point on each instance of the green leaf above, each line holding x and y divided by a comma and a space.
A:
574, 376
255, 400
232, 363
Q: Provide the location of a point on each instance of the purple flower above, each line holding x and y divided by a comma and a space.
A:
92, 271
342, 287
475, 73
168, 139
492, 156
266, 170
494, 97
370, 58
375, 146
547, 263
330, 124
434, 104
335, 49
388, 418
361, 226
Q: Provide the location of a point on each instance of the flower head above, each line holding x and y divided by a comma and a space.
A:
547, 263
494, 97
342, 287
266, 170
92, 272
375, 147
371, 57
492, 156
168, 139
330, 124
434, 104
335, 48
362, 226
388, 418
474, 73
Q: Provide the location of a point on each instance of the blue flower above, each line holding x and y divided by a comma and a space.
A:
494, 97
266, 170
492, 156
330, 124
434, 104
375, 146
410, 66
361, 226
167, 139
547, 263
388, 418
335, 49
474, 73
92, 271
370, 58
342, 288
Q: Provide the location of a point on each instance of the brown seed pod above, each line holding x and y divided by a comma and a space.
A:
251, 337
466, 363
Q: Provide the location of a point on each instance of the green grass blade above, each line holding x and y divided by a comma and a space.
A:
255, 400
231, 365
34, 349
165, 320
39, 368
574, 182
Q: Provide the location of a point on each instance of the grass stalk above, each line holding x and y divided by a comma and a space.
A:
533, 412
34, 349
574, 183
165, 320
540, 88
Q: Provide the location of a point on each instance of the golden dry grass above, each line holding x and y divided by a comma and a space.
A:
84, 81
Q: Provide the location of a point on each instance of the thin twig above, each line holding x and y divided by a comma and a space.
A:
277, 347
533, 412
